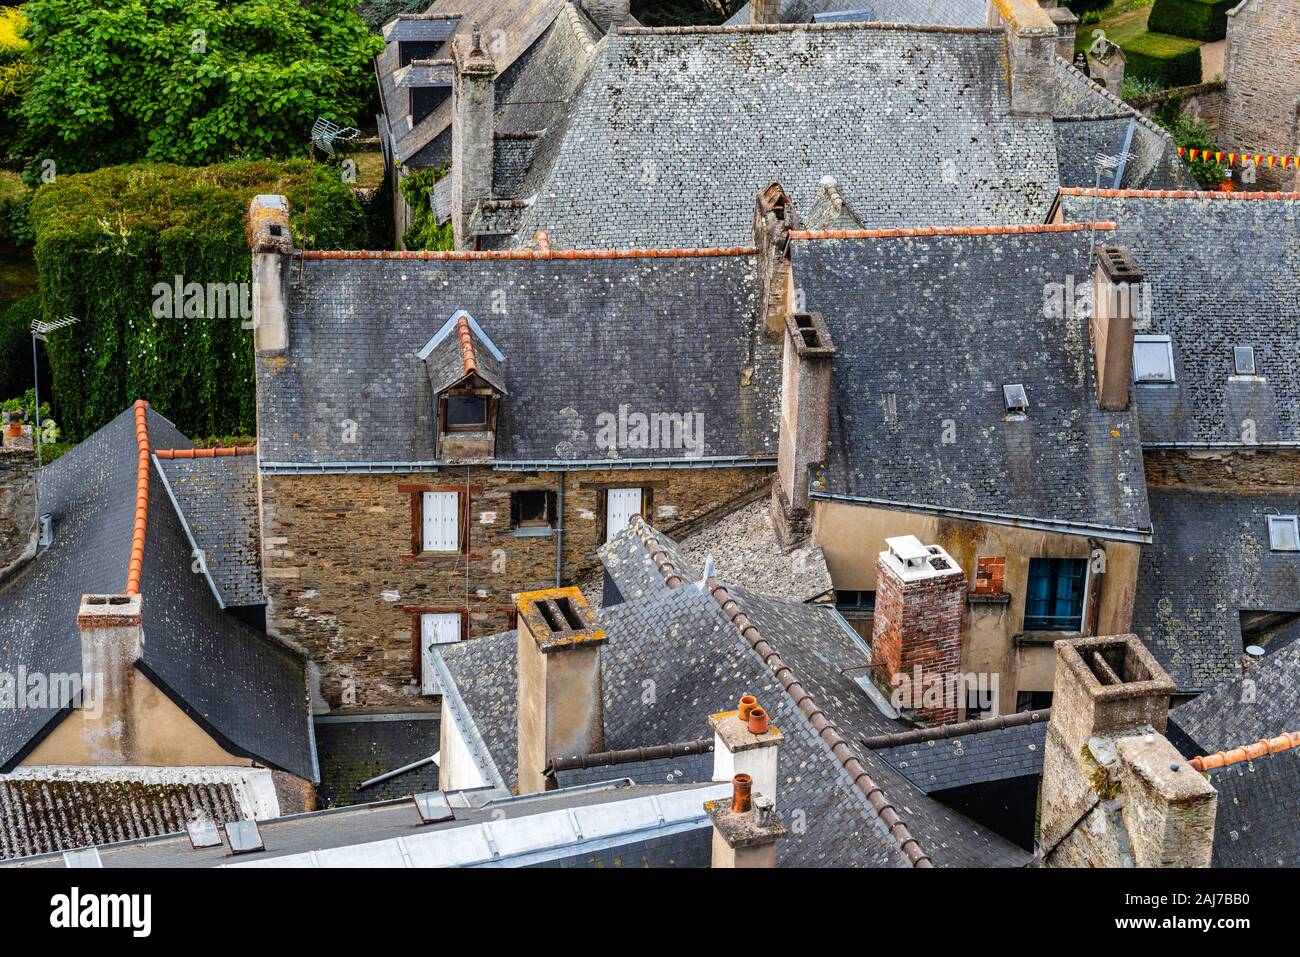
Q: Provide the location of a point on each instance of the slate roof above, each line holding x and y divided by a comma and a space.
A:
1222, 274
993, 755
1259, 801
675, 132
218, 502
1091, 121
965, 315
419, 26
353, 750
675, 334
698, 663
628, 563
953, 13
1209, 561
246, 692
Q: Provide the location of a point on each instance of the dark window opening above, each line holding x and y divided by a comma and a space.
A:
1054, 600
980, 704
533, 508
855, 599
1033, 700
466, 412
408, 50
426, 99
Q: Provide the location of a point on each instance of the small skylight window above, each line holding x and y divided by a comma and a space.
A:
245, 837
1153, 359
433, 807
1243, 360
1284, 533
1017, 401
203, 832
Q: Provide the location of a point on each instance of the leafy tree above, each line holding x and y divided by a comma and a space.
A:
188, 81
16, 349
424, 231
1192, 133
15, 72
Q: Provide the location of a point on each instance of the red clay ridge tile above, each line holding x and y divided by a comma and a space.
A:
1170, 194
1247, 752
136, 564
918, 231
205, 453
529, 254
467, 355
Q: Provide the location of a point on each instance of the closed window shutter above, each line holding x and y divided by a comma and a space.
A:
439, 628
441, 521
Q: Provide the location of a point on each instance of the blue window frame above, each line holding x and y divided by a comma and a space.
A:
1054, 600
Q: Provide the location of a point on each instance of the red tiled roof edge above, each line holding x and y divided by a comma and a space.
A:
1171, 194
827, 731
141, 523
467, 355
1247, 752
205, 453
915, 231
530, 254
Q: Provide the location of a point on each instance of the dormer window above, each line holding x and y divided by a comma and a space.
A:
466, 412
1243, 360
1284, 533
1153, 359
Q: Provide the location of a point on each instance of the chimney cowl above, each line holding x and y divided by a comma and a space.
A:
109, 611
268, 224
811, 338
559, 619
1118, 264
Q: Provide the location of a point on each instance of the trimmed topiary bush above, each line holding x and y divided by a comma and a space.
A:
1165, 60
1195, 19
109, 246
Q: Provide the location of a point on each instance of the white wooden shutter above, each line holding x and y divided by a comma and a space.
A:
620, 505
435, 629
441, 521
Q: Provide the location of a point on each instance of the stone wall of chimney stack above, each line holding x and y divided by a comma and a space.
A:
112, 641
765, 11
473, 108
272, 244
918, 625
1032, 39
1116, 299
806, 378
19, 526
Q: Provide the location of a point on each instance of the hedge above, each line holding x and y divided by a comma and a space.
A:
105, 239
1195, 19
1169, 61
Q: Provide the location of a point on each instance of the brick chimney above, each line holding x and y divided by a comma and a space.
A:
916, 637
272, 245
774, 217
746, 829
19, 528
1115, 792
806, 369
473, 119
1031, 45
1116, 293
764, 11
112, 641
744, 747
560, 705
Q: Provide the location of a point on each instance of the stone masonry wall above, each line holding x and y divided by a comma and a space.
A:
17, 505
1260, 115
1223, 471
343, 585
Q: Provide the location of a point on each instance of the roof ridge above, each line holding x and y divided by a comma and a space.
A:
825, 729
529, 254
628, 755
205, 453
141, 522
468, 357
1247, 752
658, 555
1173, 194
1129, 111
914, 231
957, 729
793, 27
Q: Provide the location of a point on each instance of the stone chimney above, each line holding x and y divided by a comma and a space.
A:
112, 641
1067, 27
745, 751
272, 245
19, 527
473, 119
560, 707
1115, 792
916, 637
1031, 46
745, 831
1106, 64
774, 217
806, 371
1117, 288
744, 743
607, 14
764, 11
